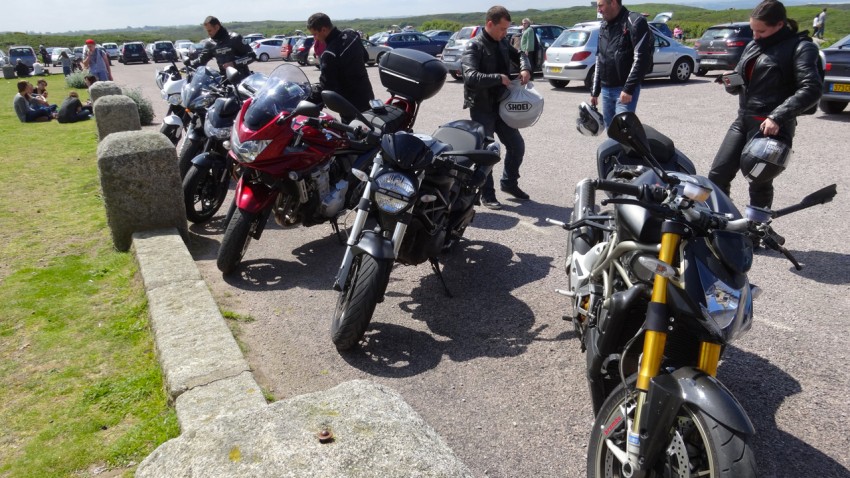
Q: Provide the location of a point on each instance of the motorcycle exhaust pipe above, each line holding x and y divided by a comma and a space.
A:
585, 199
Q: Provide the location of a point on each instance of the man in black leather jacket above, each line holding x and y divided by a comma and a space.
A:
781, 80
227, 48
486, 69
623, 58
342, 63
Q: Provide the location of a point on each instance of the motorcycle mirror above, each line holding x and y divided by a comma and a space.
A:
336, 102
627, 129
305, 108
232, 75
821, 196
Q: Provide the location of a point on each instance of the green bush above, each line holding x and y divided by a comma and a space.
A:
77, 79
145, 107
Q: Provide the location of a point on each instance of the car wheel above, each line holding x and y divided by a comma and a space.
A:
701, 72
264, 57
681, 71
588, 82
378, 58
832, 107
559, 83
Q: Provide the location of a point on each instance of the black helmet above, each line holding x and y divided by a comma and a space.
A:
589, 121
764, 157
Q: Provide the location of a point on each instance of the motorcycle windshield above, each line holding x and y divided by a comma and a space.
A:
285, 87
194, 93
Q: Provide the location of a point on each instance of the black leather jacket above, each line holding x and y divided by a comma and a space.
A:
482, 71
343, 68
620, 59
227, 48
784, 80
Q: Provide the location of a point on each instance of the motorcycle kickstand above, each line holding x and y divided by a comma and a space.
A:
339, 234
435, 265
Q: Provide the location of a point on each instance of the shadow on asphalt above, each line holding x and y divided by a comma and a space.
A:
469, 325
762, 387
823, 267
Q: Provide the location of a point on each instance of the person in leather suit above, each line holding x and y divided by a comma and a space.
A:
486, 69
341, 63
781, 80
227, 49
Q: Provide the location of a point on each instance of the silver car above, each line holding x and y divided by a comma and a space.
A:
572, 57
453, 51
836, 83
374, 52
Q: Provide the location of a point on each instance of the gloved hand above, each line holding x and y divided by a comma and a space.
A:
188, 63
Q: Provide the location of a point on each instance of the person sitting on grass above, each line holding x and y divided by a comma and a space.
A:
72, 110
25, 109
21, 69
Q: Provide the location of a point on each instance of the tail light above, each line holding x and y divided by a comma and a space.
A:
256, 44
828, 67
735, 43
579, 56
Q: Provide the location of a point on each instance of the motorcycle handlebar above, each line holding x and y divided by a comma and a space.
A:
618, 187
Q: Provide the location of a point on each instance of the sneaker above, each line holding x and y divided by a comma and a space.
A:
491, 202
514, 191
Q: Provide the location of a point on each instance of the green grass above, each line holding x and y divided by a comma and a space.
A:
81, 388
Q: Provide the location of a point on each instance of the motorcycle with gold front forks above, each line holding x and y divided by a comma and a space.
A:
659, 287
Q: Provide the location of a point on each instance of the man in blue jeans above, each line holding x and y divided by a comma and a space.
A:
623, 57
486, 66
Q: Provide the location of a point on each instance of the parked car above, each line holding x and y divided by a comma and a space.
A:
442, 35
267, 49
374, 52
3, 60
162, 50
455, 47
721, 46
79, 52
660, 23
312, 59
379, 38
184, 49
572, 57
414, 41
133, 52
111, 50
252, 37
302, 49
836, 83
55, 55
23, 52
288, 46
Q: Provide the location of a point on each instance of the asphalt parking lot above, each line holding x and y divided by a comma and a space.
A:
495, 370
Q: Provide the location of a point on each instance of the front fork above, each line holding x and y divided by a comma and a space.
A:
363, 208
639, 458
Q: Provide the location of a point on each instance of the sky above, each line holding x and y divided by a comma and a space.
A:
56, 16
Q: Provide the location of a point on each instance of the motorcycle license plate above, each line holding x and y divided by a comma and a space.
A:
840, 88
708, 61
555, 69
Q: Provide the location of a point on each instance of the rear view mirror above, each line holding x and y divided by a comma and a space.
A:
627, 129
336, 102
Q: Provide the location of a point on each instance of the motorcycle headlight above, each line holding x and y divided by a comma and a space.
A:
174, 99
394, 192
217, 133
248, 151
729, 308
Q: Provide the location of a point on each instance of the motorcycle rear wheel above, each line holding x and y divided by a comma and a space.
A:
236, 239
203, 193
366, 283
698, 445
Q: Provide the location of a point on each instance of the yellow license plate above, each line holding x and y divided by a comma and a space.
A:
841, 87
554, 69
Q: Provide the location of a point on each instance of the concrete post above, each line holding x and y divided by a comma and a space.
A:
141, 185
104, 88
116, 113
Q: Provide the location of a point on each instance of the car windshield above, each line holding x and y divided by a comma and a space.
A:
132, 48
466, 33
164, 46
20, 52
193, 93
717, 33
572, 38
284, 89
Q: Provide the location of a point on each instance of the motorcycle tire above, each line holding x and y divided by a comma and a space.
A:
236, 239
365, 285
696, 441
203, 193
172, 132
190, 149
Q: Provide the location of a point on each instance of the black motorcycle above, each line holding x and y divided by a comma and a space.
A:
207, 180
422, 190
659, 287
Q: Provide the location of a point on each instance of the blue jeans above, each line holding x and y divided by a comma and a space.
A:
611, 105
514, 148
36, 113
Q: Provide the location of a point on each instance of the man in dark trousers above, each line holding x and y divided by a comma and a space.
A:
342, 65
486, 68
623, 57
227, 49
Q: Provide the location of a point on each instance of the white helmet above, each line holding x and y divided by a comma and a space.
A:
589, 121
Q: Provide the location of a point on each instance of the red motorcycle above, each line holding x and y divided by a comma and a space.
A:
297, 161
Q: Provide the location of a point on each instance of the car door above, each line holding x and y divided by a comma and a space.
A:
425, 44
662, 58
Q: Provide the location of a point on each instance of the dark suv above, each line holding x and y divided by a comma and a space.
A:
301, 50
721, 46
133, 52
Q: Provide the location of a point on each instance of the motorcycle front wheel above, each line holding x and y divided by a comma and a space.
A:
364, 286
172, 132
697, 446
236, 239
190, 149
203, 193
